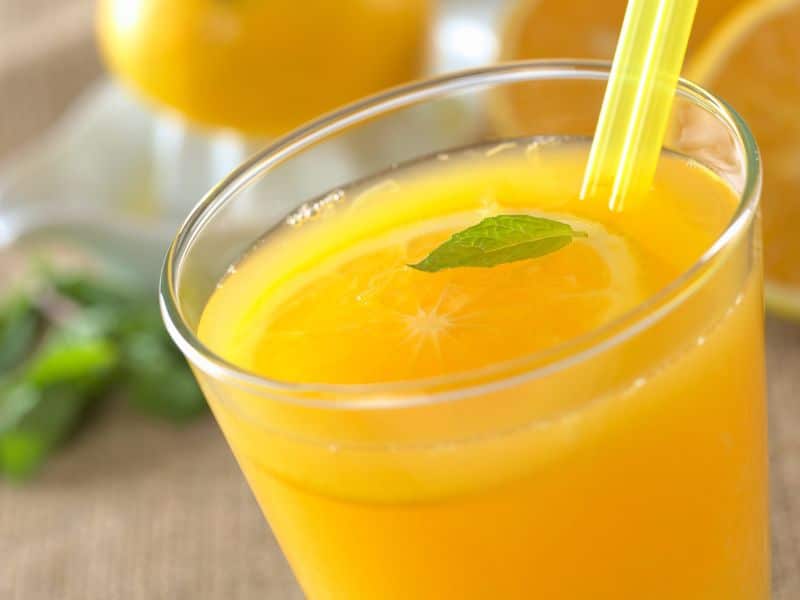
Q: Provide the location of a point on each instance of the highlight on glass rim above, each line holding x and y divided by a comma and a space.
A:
399, 299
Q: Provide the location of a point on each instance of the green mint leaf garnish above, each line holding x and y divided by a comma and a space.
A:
499, 240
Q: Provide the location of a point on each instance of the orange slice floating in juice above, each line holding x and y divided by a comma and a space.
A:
453, 321
753, 62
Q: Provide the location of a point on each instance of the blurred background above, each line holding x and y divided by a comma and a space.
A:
116, 116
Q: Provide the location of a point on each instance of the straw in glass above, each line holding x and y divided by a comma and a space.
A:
636, 107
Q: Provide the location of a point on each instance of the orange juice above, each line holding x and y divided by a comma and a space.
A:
540, 429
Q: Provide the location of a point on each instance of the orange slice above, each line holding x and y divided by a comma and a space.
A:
571, 29
753, 62
332, 323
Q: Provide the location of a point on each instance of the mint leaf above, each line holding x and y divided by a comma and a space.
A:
499, 240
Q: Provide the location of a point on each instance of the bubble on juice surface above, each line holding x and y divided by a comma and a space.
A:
495, 150
311, 210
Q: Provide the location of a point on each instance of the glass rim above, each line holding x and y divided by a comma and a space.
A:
408, 393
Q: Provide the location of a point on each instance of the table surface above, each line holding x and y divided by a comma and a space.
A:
134, 509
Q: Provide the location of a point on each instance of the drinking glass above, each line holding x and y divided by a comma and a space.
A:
628, 463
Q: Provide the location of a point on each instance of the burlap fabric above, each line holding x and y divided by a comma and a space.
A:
133, 509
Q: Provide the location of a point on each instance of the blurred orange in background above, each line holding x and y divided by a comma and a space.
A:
575, 29
753, 61
584, 28
262, 67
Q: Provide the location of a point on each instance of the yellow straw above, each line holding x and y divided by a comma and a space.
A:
638, 99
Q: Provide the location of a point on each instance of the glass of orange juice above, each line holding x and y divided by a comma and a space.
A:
586, 422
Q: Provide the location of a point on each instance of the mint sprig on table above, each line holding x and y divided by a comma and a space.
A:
70, 342
498, 240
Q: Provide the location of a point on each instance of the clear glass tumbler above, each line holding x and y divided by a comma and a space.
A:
628, 464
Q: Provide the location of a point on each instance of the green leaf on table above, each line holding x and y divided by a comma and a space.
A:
50, 416
158, 380
91, 291
499, 240
21, 454
72, 359
19, 330
44, 399
67, 344
170, 393
17, 399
